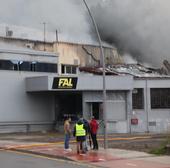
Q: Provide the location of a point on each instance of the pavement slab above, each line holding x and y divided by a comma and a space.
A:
58, 151
103, 158
116, 158
126, 163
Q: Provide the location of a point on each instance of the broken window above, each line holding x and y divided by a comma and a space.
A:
160, 98
138, 98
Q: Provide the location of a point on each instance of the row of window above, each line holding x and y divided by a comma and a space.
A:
160, 98
27, 66
36, 66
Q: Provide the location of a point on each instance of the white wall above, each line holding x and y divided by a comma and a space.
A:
161, 117
117, 118
18, 106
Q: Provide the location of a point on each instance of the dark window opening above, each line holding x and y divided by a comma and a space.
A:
33, 66
46, 67
74, 70
62, 69
68, 105
27, 66
160, 98
16, 67
68, 69
6, 65
138, 99
96, 110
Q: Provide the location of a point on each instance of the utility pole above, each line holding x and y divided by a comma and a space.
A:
104, 74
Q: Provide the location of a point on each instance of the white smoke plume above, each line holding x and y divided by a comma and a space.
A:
67, 16
138, 27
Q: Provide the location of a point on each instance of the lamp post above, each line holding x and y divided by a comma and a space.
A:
44, 23
104, 74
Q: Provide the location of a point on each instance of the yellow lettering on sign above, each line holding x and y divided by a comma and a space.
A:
65, 83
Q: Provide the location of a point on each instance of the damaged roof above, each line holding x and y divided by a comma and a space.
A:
136, 70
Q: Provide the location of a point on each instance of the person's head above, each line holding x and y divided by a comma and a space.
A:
68, 119
93, 118
80, 121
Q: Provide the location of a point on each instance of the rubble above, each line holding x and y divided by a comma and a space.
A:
136, 70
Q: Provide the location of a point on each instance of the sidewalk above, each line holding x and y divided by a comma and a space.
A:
104, 158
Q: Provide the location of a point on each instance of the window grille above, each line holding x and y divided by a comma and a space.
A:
138, 99
160, 98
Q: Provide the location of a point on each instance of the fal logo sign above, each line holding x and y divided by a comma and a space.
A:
65, 83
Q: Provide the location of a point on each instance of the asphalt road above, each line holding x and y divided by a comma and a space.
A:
10, 159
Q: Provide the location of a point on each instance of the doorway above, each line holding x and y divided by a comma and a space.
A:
96, 110
68, 104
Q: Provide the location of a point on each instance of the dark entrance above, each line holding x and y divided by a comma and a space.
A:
97, 110
68, 104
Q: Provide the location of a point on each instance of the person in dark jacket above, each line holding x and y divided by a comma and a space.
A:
94, 128
80, 134
87, 127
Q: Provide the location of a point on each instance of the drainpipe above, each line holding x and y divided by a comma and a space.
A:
129, 110
146, 105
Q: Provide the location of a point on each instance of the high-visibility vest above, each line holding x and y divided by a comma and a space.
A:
80, 131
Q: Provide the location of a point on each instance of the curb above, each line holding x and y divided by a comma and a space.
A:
40, 154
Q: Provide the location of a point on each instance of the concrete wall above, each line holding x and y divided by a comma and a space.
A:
74, 54
151, 120
84, 83
114, 124
17, 106
119, 98
37, 45
70, 53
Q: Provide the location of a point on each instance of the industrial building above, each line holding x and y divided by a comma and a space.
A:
39, 88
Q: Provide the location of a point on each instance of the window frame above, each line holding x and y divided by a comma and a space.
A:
30, 66
64, 68
160, 98
138, 99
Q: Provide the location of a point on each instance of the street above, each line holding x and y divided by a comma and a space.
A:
10, 159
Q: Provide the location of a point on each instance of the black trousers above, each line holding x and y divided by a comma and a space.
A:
94, 139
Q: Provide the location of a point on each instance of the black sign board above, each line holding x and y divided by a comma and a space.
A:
64, 83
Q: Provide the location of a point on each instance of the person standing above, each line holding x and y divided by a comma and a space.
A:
67, 132
80, 134
87, 128
94, 128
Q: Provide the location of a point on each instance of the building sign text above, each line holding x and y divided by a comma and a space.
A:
65, 83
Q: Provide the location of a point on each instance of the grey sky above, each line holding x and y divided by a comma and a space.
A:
138, 27
68, 16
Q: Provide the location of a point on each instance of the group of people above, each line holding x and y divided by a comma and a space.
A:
84, 132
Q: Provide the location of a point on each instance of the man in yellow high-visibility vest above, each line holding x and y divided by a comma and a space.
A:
80, 134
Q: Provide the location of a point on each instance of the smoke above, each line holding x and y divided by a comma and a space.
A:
140, 28
67, 16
